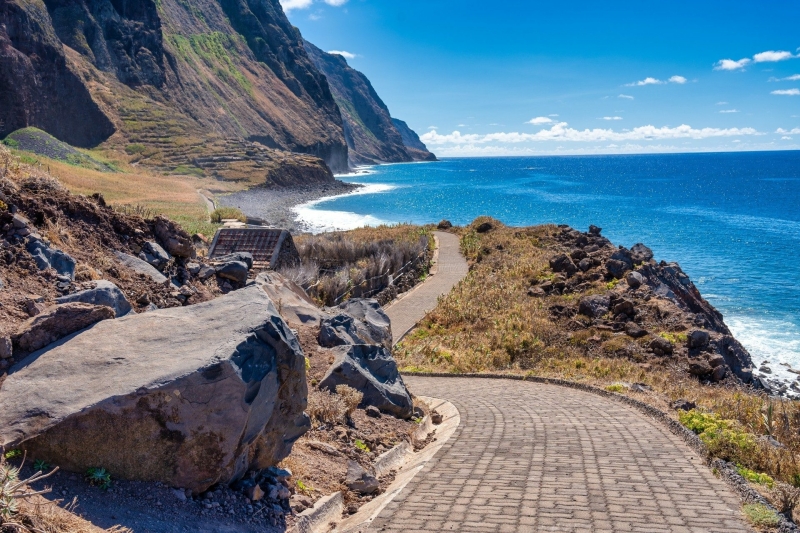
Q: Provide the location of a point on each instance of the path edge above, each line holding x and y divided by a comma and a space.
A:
727, 471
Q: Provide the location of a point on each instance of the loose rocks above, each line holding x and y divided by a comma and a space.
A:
234, 270
104, 293
57, 322
358, 480
594, 306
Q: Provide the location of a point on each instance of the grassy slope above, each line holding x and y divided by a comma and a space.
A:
488, 323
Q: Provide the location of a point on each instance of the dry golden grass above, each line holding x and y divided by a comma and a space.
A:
488, 323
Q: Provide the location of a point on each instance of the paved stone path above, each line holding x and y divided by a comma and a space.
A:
411, 308
534, 457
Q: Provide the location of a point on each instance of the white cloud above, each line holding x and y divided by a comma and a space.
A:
786, 138
343, 53
787, 92
728, 110
539, 120
730, 64
722, 103
793, 131
626, 96
433, 127
560, 132
793, 77
462, 125
611, 118
295, 4
647, 81
553, 115
335, 2
677, 79
771, 56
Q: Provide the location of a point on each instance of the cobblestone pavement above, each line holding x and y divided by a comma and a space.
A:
411, 308
534, 457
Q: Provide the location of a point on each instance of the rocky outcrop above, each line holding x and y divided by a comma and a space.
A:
83, 69
193, 396
58, 322
371, 133
414, 146
103, 293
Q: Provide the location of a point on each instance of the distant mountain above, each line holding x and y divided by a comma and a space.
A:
371, 133
220, 87
415, 147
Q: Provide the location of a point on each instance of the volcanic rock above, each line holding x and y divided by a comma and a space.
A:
48, 257
57, 322
374, 326
661, 346
641, 253
594, 306
359, 480
634, 279
234, 270
562, 263
103, 293
698, 339
140, 267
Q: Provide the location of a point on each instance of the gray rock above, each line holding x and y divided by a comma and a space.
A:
206, 272
594, 230
371, 315
340, 330
373, 371
617, 268
632, 329
585, 264
104, 293
234, 270
594, 306
562, 263
293, 303
634, 279
199, 395
58, 322
154, 254
242, 257
699, 368
193, 268
141, 267
661, 346
641, 253
716, 360
359, 480
698, 339
625, 307
373, 412
47, 257
719, 373
174, 240
19, 221
6, 349
683, 405
150, 307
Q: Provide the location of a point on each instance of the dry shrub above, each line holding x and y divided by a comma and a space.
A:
333, 408
228, 213
350, 397
360, 263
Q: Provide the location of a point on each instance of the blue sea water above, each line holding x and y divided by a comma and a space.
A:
732, 220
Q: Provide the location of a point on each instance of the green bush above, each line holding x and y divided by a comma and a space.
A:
724, 438
133, 149
755, 477
221, 213
616, 387
760, 515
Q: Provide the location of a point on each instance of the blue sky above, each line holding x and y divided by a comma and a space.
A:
524, 77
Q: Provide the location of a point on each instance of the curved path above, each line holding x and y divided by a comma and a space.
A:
450, 268
534, 457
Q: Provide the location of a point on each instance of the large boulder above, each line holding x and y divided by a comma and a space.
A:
189, 396
58, 322
233, 270
594, 306
174, 239
374, 325
242, 257
562, 263
373, 371
103, 293
141, 267
154, 254
293, 303
641, 253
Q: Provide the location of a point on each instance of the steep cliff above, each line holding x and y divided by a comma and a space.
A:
414, 146
371, 134
181, 85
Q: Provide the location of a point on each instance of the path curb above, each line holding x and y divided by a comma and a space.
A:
727, 471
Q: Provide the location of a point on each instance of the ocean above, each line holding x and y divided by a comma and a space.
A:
732, 220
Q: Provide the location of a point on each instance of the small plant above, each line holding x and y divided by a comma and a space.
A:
361, 446
674, 338
760, 515
40, 465
351, 398
13, 454
755, 477
225, 213
13, 489
613, 283
616, 387
99, 477
303, 487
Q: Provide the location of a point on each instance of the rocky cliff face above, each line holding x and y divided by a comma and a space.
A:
182, 82
414, 146
371, 134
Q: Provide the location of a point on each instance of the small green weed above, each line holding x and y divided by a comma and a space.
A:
760, 515
674, 338
133, 149
616, 387
11, 143
755, 477
361, 446
40, 465
13, 454
724, 438
99, 477
303, 487
613, 283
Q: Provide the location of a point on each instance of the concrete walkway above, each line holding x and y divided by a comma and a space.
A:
534, 457
411, 307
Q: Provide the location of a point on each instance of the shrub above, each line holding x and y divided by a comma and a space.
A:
14, 490
133, 149
222, 213
724, 438
760, 515
350, 398
755, 477
616, 387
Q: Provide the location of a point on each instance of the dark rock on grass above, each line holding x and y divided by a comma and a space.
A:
641, 253
242, 257
661, 346
235, 271
104, 293
698, 339
683, 405
359, 480
632, 329
585, 264
372, 371
562, 263
594, 306
634, 279
445, 224
617, 268
699, 368
484, 227
58, 322
48, 257
198, 396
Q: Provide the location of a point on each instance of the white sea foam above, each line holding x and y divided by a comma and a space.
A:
319, 220
769, 340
